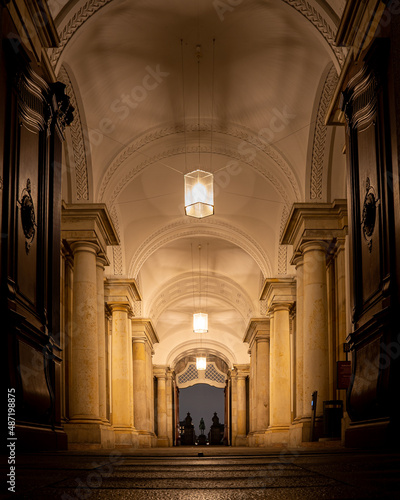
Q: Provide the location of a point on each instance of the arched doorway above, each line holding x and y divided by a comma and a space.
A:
202, 393
203, 401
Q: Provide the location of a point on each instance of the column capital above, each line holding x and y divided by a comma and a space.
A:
314, 246
144, 328
121, 291
257, 330
297, 260
315, 221
122, 307
281, 306
160, 371
102, 261
240, 372
89, 222
279, 292
84, 246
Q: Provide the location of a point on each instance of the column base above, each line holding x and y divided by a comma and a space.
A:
240, 440
126, 437
162, 442
89, 435
145, 439
299, 432
256, 438
277, 434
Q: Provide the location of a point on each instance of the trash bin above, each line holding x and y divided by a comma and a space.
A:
332, 414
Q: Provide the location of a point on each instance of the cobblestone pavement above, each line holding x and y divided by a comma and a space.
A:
222, 473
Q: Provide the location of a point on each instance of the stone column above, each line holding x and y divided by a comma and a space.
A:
299, 338
239, 405
280, 296
84, 393
162, 438
234, 408
257, 335
121, 351
101, 335
241, 410
262, 377
170, 411
315, 345
87, 230
143, 336
140, 389
280, 375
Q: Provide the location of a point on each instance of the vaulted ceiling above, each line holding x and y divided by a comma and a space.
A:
132, 71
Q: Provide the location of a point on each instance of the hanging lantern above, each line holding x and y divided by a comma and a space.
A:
200, 323
201, 363
199, 194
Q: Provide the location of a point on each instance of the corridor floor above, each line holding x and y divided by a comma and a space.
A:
221, 473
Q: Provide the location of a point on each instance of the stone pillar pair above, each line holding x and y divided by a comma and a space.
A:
314, 229
143, 339
280, 297
258, 338
120, 295
87, 230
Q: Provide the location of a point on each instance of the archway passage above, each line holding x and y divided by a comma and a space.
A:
202, 401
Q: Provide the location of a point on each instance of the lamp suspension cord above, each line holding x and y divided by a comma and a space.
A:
199, 278
207, 279
212, 106
198, 53
194, 302
183, 105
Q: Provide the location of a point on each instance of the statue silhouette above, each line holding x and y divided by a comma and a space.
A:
202, 425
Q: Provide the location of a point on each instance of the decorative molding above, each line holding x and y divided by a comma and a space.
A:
78, 144
191, 376
187, 227
320, 133
320, 23
186, 284
72, 26
282, 249
91, 7
118, 266
236, 132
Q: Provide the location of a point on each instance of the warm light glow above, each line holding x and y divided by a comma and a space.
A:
199, 194
200, 323
201, 363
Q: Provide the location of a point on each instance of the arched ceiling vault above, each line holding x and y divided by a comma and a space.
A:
146, 113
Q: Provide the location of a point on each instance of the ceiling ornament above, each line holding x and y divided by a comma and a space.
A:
68, 29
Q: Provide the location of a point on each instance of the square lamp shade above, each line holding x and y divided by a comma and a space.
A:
199, 194
201, 363
200, 323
